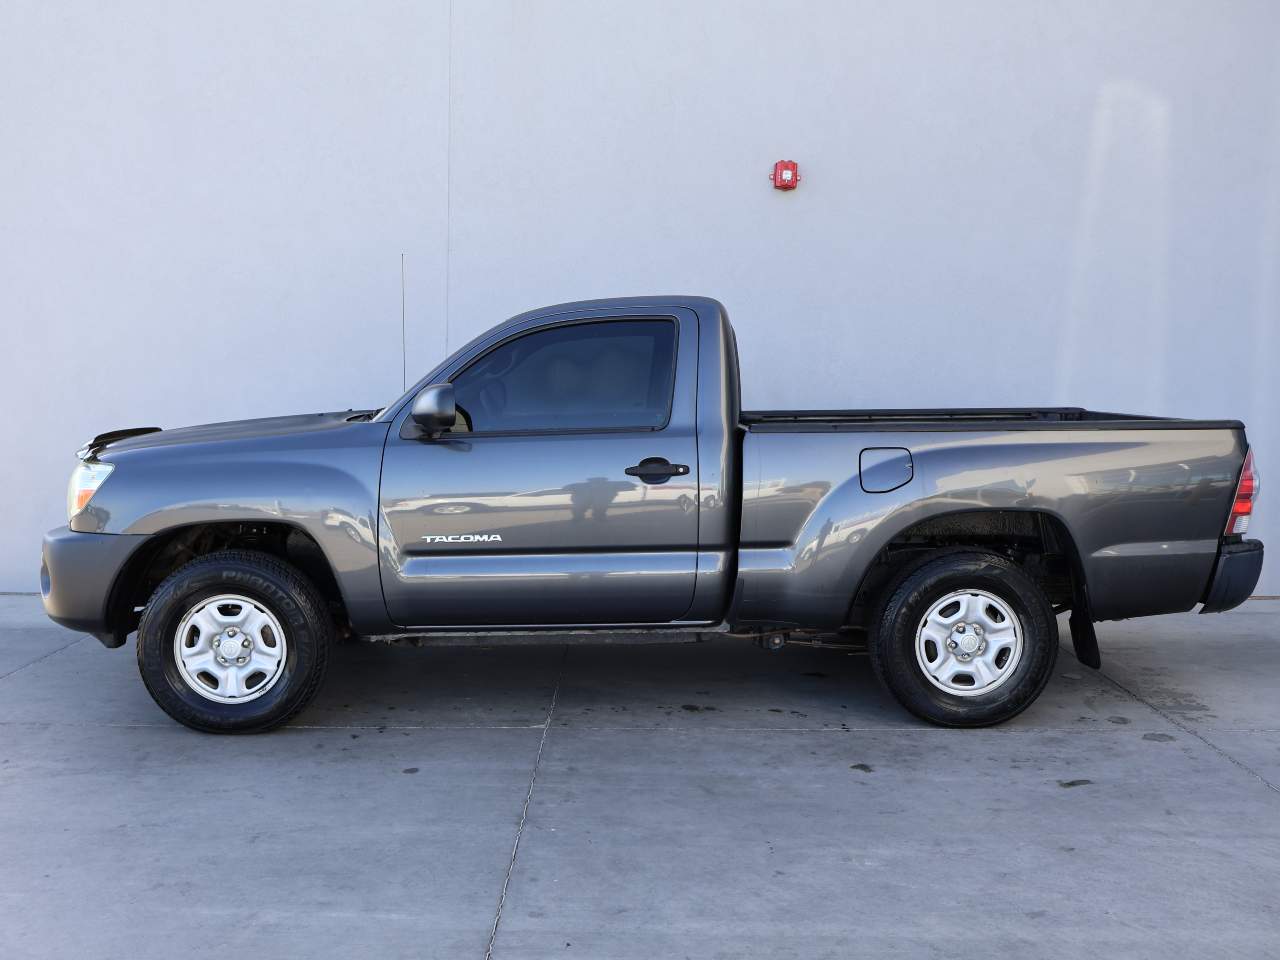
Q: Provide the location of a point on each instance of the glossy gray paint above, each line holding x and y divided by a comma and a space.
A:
581, 541
774, 524
317, 472
1145, 509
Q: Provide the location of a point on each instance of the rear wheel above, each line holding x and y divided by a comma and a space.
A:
965, 639
234, 642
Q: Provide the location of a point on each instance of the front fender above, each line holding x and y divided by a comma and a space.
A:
326, 486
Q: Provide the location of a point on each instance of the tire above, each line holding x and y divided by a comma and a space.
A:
279, 614
914, 633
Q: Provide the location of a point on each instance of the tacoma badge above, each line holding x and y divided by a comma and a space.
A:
465, 538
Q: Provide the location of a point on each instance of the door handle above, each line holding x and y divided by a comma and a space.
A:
656, 470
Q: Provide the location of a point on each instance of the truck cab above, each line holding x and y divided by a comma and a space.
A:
586, 475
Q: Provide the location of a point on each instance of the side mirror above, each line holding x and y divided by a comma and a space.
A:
434, 410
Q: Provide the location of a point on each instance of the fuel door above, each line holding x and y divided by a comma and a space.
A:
881, 469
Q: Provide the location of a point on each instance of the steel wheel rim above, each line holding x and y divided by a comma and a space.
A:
969, 643
230, 649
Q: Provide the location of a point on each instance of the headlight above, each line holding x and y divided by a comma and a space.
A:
85, 481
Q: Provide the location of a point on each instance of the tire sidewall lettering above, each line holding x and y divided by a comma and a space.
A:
192, 583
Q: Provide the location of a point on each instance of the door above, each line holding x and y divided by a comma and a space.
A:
566, 493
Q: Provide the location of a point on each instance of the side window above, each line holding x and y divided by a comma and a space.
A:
611, 374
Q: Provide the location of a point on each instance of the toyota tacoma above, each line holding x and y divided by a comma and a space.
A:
588, 468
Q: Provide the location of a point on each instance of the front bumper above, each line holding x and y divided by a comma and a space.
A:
77, 572
1234, 577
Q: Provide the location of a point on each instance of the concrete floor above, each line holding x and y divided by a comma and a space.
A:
706, 800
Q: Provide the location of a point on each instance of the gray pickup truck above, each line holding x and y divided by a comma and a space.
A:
587, 468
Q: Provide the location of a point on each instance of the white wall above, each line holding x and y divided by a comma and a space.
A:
1022, 203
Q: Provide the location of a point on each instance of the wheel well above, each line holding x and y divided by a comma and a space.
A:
166, 552
1038, 541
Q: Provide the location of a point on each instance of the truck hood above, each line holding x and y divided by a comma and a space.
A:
138, 438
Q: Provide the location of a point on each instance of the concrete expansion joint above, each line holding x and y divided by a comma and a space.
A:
32, 663
1190, 731
524, 810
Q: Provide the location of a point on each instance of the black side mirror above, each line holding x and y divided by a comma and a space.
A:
434, 410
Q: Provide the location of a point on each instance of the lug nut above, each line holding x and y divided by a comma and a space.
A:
244, 642
951, 644
242, 660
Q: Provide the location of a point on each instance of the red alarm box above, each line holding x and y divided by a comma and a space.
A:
786, 175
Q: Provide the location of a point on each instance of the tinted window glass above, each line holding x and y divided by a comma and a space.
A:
605, 375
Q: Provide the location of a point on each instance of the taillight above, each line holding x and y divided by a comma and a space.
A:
1246, 493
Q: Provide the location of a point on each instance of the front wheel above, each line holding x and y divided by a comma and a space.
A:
234, 642
965, 639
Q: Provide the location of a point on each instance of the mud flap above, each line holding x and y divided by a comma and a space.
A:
1084, 639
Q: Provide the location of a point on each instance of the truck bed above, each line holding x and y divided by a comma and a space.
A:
957, 418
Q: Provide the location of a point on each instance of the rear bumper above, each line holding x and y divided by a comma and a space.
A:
77, 572
1234, 577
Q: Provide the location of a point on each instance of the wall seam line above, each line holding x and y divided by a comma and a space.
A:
448, 178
